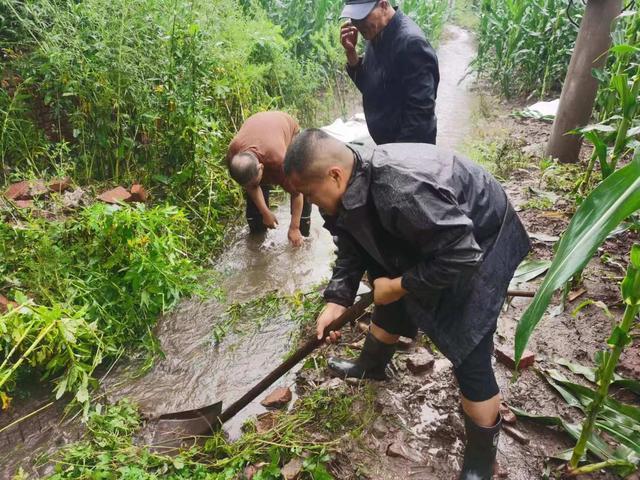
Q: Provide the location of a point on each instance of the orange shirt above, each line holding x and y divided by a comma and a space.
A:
267, 135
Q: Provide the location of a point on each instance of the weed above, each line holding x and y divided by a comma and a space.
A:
501, 156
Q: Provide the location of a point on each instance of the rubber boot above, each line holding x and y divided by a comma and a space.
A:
372, 362
480, 450
305, 226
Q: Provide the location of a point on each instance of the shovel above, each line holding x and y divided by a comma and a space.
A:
172, 428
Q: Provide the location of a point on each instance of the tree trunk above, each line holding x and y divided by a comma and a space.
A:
580, 87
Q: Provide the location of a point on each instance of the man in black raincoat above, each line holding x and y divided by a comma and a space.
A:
440, 240
398, 75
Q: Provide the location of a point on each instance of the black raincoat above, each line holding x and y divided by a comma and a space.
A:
398, 78
440, 222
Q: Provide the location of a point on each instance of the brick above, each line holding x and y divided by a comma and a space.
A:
138, 194
116, 195
18, 191
60, 185
278, 398
506, 356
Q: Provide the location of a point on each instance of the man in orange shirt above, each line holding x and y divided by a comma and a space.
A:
256, 161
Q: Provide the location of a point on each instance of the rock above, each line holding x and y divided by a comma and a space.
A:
73, 199
138, 194
420, 362
332, 383
507, 415
278, 398
116, 195
506, 355
400, 450
250, 470
5, 303
37, 188
59, 185
405, 343
24, 203
379, 428
292, 470
265, 422
18, 191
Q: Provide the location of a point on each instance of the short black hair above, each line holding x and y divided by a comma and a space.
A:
244, 171
299, 155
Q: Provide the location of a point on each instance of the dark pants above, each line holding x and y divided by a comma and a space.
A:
475, 374
254, 217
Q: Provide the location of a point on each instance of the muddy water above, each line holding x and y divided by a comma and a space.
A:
196, 371
456, 102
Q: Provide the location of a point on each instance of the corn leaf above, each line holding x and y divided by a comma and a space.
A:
617, 197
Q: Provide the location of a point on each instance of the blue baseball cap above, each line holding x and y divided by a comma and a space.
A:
357, 9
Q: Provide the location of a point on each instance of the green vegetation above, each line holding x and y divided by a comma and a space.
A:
87, 287
109, 451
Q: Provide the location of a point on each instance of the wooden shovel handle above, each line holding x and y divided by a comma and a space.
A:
351, 314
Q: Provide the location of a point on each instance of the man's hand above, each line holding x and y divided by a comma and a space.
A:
328, 315
349, 40
387, 290
269, 219
295, 237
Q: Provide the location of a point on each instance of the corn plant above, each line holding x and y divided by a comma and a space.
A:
617, 341
617, 106
525, 46
611, 202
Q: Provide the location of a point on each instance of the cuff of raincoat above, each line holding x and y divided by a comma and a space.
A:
331, 297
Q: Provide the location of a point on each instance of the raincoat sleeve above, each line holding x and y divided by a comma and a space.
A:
347, 273
429, 218
418, 64
356, 73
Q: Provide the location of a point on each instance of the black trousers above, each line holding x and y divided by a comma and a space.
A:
254, 217
474, 375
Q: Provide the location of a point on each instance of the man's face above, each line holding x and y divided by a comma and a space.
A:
324, 190
373, 23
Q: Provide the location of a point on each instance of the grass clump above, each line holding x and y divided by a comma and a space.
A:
88, 287
110, 452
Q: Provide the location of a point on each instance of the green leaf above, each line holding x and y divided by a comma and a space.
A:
619, 337
617, 197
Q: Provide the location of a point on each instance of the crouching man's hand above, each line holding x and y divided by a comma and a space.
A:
328, 315
387, 290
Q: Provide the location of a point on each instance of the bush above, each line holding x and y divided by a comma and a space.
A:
97, 284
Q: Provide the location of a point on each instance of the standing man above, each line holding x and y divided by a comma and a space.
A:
255, 160
398, 75
440, 241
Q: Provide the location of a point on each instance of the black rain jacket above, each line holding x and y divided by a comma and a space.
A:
398, 78
444, 225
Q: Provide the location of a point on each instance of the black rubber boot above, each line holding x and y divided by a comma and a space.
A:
480, 450
372, 362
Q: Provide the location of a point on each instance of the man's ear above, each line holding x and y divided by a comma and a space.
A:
336, 174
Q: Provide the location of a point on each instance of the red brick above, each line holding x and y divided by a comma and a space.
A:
18, 191
60, 185
278, 398
116, 195
506, 356
138, 194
